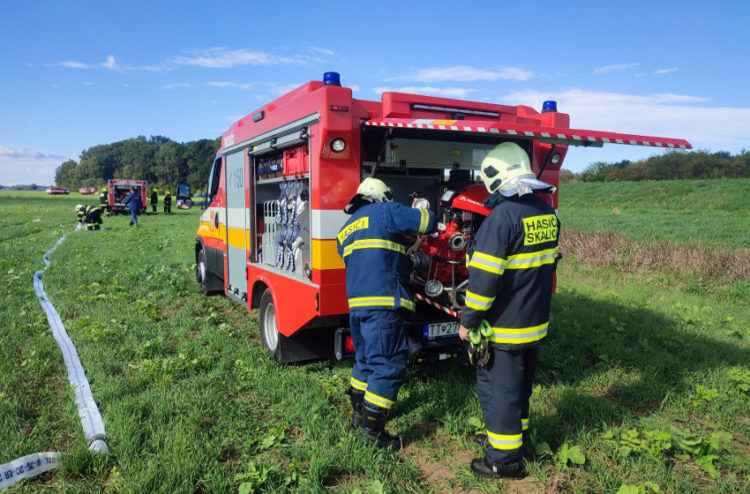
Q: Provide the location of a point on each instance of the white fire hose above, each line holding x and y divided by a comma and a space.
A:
91, 419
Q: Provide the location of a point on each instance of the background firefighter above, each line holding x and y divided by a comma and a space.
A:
154, 200
167, 203
90, 216
373, 245
104, 200
511, 267
134, 204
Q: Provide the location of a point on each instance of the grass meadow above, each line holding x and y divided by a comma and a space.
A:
643, 384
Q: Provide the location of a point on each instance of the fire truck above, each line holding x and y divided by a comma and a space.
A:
57, 190
283, 174
117, 191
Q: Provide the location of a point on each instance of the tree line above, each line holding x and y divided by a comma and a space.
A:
162, 162
674, 165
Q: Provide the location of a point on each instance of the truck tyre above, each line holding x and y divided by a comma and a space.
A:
269, 334
202, 275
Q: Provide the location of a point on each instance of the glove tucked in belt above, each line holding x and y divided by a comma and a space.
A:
479, 344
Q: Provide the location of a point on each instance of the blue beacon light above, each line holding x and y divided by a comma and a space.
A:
331, 79
549, 106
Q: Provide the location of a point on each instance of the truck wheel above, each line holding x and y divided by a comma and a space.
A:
269, 334
202, 274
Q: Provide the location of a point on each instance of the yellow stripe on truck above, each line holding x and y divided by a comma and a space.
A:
204, 230
237, 237
325, 255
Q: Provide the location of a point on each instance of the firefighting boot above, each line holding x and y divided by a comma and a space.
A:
485, 469
373, 426
357, 397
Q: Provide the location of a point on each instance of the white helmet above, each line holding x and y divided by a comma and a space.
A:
502, 165
375, 189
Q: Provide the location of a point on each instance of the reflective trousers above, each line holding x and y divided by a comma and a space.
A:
380, 352
504, 387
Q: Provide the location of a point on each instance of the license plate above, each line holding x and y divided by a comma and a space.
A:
437, 330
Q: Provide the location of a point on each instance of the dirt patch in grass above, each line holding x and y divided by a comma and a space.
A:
721, 267
442, 473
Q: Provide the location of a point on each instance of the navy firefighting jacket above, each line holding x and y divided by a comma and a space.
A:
511, 265
373, 246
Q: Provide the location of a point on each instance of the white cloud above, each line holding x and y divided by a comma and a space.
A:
224, 59
28, 166
322, 51
666, 71
75, 65
111, 64
234, 85
612, 68
449, 92
176, 85
464, 73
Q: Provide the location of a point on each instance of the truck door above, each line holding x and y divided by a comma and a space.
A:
237, 224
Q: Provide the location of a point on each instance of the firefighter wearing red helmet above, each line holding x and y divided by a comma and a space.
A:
373, 245
511, 267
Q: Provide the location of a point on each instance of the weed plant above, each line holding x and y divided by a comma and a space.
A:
643, 383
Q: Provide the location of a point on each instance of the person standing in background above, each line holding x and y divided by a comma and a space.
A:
154, 200
167, 203
134, 204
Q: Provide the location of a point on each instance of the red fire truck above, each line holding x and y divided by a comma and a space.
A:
279, 183
118, 189
57, 190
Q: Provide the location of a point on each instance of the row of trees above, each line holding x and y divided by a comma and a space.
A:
164, 163
668, 166
159, 160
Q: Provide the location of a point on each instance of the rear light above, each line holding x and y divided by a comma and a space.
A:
348, 345
341, 108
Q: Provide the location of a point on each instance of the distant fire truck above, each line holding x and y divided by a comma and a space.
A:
118, 189
283, 174
57, 190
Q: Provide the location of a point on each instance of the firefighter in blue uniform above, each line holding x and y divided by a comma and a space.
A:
135, 204
511, 267
373, 245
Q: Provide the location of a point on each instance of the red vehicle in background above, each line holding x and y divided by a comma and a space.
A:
279, 183
57, 190
118, 189
87, 191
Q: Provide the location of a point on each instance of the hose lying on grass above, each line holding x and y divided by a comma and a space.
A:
91, 419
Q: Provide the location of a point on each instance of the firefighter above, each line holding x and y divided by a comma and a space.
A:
167, 203
134, 204
104, 200
511, 265
154, 200
89, 216
373, 245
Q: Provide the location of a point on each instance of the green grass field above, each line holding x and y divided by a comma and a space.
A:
643, 384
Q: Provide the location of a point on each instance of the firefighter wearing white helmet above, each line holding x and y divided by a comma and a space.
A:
373, 245
511, 267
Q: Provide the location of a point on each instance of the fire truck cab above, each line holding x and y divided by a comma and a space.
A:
283, 174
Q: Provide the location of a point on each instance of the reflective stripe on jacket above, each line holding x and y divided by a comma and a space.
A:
511, 265
373, 245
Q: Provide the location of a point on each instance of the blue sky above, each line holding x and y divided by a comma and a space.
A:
75, 74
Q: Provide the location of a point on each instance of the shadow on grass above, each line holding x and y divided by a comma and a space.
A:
603, 362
